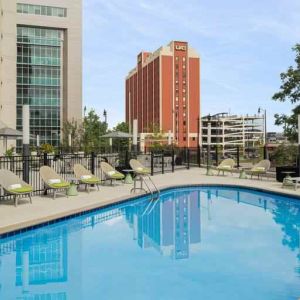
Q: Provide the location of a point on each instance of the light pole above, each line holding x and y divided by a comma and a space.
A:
105, 116
208, 169
265, 130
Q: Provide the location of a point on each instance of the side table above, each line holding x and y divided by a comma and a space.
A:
128, 177
72, 190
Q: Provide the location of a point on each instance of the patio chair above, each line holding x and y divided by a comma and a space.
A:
138, 168
53, 181
14, 185
226, 165
84, 176
110, 173
260, 168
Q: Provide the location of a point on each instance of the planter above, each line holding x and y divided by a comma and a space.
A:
280, 176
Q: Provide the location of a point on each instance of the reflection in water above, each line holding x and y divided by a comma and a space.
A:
40, 258
46, 263
168, 225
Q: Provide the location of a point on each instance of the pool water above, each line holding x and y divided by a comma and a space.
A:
194, 243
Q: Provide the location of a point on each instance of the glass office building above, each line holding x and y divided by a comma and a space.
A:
39, 62
40, 65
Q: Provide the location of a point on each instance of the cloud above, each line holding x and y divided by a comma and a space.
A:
235, 39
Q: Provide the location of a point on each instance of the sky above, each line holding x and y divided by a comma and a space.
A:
243, 45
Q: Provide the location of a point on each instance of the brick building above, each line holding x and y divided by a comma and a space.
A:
164, 90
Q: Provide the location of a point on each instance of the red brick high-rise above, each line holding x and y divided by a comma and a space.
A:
164, 89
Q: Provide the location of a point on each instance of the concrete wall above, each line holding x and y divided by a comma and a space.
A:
8, 61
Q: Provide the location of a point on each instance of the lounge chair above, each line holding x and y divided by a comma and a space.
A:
140, 172
53, 181
84, 176
260, 168
226, 165
14, 185
138, 168
110, 172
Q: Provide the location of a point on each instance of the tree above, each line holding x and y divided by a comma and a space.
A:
93, 129
123, 126
290, 91
121, 144
76, 130
157, 138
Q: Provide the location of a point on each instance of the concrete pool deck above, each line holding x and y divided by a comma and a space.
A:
44, 208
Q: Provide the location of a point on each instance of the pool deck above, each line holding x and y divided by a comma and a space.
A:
44, 208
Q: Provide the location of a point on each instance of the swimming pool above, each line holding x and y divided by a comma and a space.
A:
194, 243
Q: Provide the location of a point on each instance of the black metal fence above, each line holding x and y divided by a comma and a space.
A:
27, 167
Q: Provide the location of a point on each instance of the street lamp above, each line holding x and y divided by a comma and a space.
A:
208, 169
265, 130
265, 122
105, 116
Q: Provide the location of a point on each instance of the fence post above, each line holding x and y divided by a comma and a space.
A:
188, 158
238, 156
93, 160
173, 160
26, 168
199, 156
265, 152
152, 167
162, 162
217, 156
45, 162
126, 159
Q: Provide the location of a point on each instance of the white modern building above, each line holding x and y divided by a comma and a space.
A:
229, 131
41, 64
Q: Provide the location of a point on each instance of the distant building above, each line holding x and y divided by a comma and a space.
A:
164, 89
276, 137
41, 64
230, 131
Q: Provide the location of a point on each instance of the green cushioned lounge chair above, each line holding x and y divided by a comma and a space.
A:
138, 168
14, 185
53, 181
110, 172
226, 165
260, 168
84, 176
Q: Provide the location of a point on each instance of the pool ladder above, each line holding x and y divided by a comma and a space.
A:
146, 179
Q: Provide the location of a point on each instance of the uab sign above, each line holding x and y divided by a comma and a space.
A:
180, 47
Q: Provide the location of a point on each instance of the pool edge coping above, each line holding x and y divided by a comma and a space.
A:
24, 226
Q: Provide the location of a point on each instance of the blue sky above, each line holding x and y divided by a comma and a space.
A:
243, 45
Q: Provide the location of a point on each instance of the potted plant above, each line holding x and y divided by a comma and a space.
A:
285, 158
47, 148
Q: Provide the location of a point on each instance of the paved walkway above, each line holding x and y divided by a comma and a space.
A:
44, 208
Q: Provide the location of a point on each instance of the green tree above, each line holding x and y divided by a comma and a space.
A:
290, 91
157, 139
121, 144
93, 128
76, 130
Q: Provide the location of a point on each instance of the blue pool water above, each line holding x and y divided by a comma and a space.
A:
194, 243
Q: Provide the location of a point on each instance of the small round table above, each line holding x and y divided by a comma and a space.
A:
128, 177
72, 190
287, 179
243, 174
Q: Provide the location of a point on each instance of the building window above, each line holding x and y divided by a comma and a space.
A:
184, 138
194, 139
176, 58
39, 61
183, 59
41, 10
176, 98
